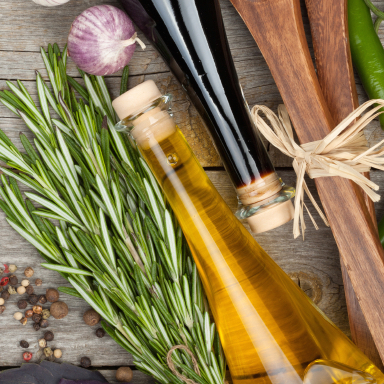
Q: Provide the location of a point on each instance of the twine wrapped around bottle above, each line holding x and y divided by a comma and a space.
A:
343, 152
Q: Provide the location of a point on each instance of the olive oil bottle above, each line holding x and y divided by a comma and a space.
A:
270, 330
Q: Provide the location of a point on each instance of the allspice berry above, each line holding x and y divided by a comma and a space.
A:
2, 309
28, 272
36, 326
49, 336
38, 282
28, 313
42, 299
91, 317
22, 304
52, 295
33, 299
85, 362
5, 295
100, 333
36, 318
44, 323
29, 289
124, 374
21, 290
37, 309
45, 314
13, 280
24, 344
57, 353
59, 310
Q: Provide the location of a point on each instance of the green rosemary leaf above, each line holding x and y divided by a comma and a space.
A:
106, 97
11, 106
5, 208
124, 80
50, 53
29, 149
78, 88
69, 291
43, 98
105, 145
24, 90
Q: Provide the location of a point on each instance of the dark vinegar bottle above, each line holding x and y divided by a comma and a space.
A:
190, 36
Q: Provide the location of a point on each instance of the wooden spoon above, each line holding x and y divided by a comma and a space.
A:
329, 28
277, 27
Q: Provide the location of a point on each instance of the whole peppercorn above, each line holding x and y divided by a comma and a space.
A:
36, 326
2, 301
38, 282
33, 299
28, 272
36, 318
25, 282
22, 304
28, 313
37, 309
42, 299
52, 295
45, 314
4, 281
59, 310
44, 323
11, 290
29, 289
21, 290
91, 317
1, 288
24, 344
57, 353
18, 316
85, 362
100, 332
27, 356
49, 336
124, 374
13, 280
48, 352
42, 343
2, 309
5, 295
12, 268
24, 321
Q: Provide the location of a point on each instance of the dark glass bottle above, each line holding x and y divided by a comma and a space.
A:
190, 36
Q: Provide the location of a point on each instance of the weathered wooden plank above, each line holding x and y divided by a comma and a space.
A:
314, 264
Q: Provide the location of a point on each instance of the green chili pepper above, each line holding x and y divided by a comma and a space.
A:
367, 50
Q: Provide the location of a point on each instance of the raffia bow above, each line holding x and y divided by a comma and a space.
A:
343, 152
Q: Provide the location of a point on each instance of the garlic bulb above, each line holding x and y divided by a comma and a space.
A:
50, 3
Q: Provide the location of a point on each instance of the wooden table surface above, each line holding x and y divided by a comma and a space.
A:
313, 263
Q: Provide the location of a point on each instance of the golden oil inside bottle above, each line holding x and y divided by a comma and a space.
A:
270, 330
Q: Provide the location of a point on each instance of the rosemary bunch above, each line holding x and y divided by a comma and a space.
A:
115, 239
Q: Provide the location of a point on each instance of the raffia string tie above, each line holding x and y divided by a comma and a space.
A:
343, 152
171, 364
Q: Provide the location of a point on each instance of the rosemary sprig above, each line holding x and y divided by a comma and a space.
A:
117, 241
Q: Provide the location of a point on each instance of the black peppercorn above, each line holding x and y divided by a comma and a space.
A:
33, 299
5, 295
85, 362
44, 323
22, 304
29, 289
100, 332
42, 299
36, 318
13, 280
49, 336
24, 344
36, 326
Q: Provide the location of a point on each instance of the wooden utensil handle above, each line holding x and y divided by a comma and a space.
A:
277, 28
329, 29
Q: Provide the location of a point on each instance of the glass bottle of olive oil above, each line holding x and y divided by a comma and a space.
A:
270, 330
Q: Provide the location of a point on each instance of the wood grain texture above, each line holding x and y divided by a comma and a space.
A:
329, 28
291, 66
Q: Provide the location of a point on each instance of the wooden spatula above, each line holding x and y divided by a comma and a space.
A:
278, 30
329, 28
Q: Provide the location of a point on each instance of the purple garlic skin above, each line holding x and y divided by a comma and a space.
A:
98, 41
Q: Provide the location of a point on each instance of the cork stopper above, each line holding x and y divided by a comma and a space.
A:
134, 100
272, 217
